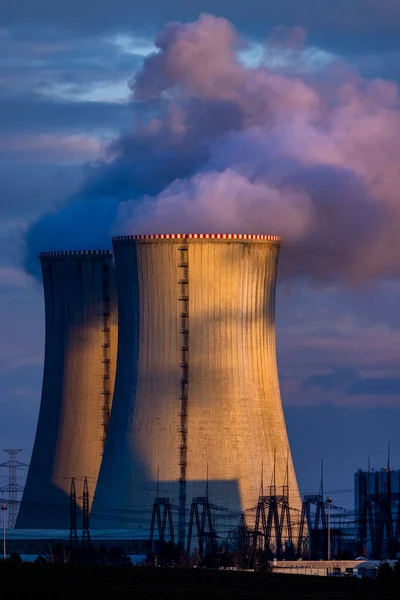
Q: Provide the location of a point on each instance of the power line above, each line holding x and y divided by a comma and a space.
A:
13, 488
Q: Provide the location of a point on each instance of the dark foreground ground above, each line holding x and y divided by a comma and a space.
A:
59, 582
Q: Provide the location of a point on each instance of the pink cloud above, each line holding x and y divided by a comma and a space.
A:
287, 155
197, 57
218, 145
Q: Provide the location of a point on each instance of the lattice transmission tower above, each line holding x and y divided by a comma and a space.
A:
13, 488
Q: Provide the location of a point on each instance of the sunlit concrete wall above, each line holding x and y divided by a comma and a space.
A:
81, 336
235, 421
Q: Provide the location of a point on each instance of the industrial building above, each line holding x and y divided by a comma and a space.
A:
197, 412
78, 384
377, 511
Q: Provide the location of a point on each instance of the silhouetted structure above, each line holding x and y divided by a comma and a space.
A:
162, 517
85, 524
73, 533
377, 510
13, 489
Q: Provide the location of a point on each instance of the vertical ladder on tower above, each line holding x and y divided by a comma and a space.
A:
106, 392
184, 382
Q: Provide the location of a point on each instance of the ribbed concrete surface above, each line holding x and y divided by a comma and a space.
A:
235, 420
70, 428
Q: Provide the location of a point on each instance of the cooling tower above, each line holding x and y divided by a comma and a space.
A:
78, 384
197, 395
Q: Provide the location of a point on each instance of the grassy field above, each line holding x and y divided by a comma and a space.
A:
60, 582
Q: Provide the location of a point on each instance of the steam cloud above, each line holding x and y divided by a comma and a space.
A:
217, 146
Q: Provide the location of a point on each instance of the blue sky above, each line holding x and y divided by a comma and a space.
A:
65, 71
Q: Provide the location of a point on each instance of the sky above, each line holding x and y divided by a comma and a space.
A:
262, 117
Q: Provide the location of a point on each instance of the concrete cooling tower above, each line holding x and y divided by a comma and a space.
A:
197, 395
78, 384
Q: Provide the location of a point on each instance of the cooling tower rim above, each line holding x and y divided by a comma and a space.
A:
198, 236
75, 253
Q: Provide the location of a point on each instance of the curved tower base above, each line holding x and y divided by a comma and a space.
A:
78, 382
197, 397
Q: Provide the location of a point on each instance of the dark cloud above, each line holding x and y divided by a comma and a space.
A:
48, 57
350, 382
46, 82
369, 305
335, 380
333, 343
51, 83
374, 386
37, 113
359, 15
342, 27
352, 29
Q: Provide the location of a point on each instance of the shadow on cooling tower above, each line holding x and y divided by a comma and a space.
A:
70, 429
222, 439
136, 514
127, 502
51, 512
